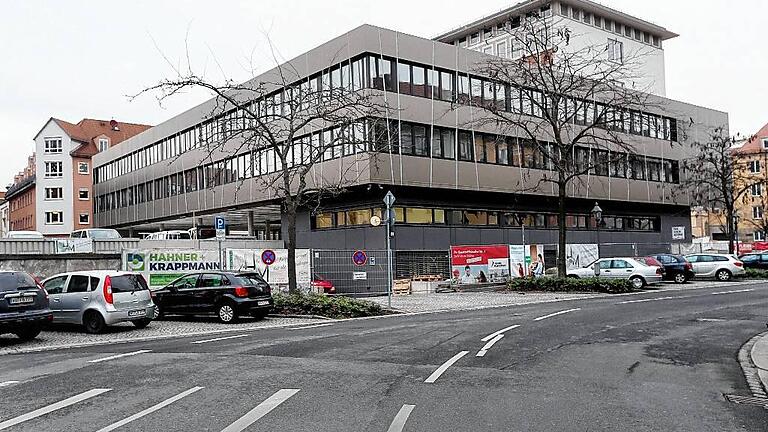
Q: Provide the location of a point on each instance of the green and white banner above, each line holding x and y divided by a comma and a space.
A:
160, 267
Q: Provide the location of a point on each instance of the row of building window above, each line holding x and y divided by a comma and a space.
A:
57, 193
609, 25
482, 218
396, 76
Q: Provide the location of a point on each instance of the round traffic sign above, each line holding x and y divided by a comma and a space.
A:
268, 257
359, 258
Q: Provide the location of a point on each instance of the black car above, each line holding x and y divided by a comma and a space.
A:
676, 268
228, 295
755, 260
23, 305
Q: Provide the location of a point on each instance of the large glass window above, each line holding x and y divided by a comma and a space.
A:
404, 78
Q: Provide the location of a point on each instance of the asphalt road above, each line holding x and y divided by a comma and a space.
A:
659, 361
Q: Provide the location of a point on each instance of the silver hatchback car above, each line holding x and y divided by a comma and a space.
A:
96, 299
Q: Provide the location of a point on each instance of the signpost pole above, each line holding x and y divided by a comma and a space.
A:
221, 233
389, 199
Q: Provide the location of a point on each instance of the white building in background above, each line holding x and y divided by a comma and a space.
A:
5, 216
589, 24
63, 200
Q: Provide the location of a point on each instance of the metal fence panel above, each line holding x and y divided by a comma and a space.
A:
421, 263
350, 279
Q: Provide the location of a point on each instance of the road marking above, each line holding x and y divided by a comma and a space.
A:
220, 339
150, 410
53, 407
402, 416
556, 314
130, 354
261, 410
710, 319
654, 299
311, 326
502, 331
439, 371
732, 292
8, 383
488, 346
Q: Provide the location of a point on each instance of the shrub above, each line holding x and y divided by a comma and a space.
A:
752, 273
547, 284
327, 306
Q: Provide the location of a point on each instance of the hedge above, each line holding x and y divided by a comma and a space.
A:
547, 284
751, 273
327, 306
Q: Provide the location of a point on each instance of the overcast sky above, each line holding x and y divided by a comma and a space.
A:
78, 59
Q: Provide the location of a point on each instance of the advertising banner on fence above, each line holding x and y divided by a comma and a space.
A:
580, 255
524, 259
76, 245
160, 267
479, 264
272, 264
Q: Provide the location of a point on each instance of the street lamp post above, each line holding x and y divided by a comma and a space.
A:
597, 214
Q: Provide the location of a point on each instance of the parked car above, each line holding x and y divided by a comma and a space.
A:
23, 305
675, 267
228, 295
96, 234
321, 285
96, 299
719, 266
636, 271
24, 235
758, 260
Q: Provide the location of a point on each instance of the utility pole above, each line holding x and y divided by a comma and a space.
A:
389, 199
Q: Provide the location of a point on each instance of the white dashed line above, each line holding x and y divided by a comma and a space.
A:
219, 339
439, 371
261, 410
149, 410
502, 331
556, 314
311, 326
654, 299
8, 383
130, 354
402, 416
488, 346
732, 292
51, 408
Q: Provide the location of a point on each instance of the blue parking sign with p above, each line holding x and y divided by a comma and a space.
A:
219, 223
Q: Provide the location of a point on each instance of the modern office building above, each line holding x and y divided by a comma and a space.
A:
455, 183
64, 182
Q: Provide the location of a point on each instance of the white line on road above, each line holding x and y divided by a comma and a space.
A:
502, 331
556, 314
219, 339
655, 299
150, 410
261, 410
8, 383
402, 416
732, 292
311, 326
53, 407
439, 371
130, 354
488, 346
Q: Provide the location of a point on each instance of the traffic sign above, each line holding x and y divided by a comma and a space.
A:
219, 223
268, 257
389, 199
221, 234
359, 258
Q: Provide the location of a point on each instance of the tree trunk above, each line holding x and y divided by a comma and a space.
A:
290, 214
730, 222
561, 227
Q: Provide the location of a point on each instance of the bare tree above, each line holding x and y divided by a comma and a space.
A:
285, 128
719, 175
572, 106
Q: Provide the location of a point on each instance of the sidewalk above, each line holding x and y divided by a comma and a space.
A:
760, 359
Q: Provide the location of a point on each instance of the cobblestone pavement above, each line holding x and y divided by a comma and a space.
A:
71, 336
435, 302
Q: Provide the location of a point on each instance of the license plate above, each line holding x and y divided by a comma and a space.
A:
137, 313
21, 300
262, 303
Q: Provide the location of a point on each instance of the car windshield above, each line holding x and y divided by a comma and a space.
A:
14, 280
128, 283
103, 234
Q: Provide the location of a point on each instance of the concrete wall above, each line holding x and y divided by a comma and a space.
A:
44, 266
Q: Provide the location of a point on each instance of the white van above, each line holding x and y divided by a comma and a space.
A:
169, 235
24, 235
96, 234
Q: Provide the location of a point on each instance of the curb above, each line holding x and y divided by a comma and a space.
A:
750, 370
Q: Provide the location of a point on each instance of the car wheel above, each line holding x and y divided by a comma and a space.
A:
723, 275
637, 282
226, 313
93, 322
680, 278
141, 323
159, 314
29, 333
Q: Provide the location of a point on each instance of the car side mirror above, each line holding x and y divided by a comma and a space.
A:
596, 268
172, 289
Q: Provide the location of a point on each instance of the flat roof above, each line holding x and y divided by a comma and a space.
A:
528, 5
